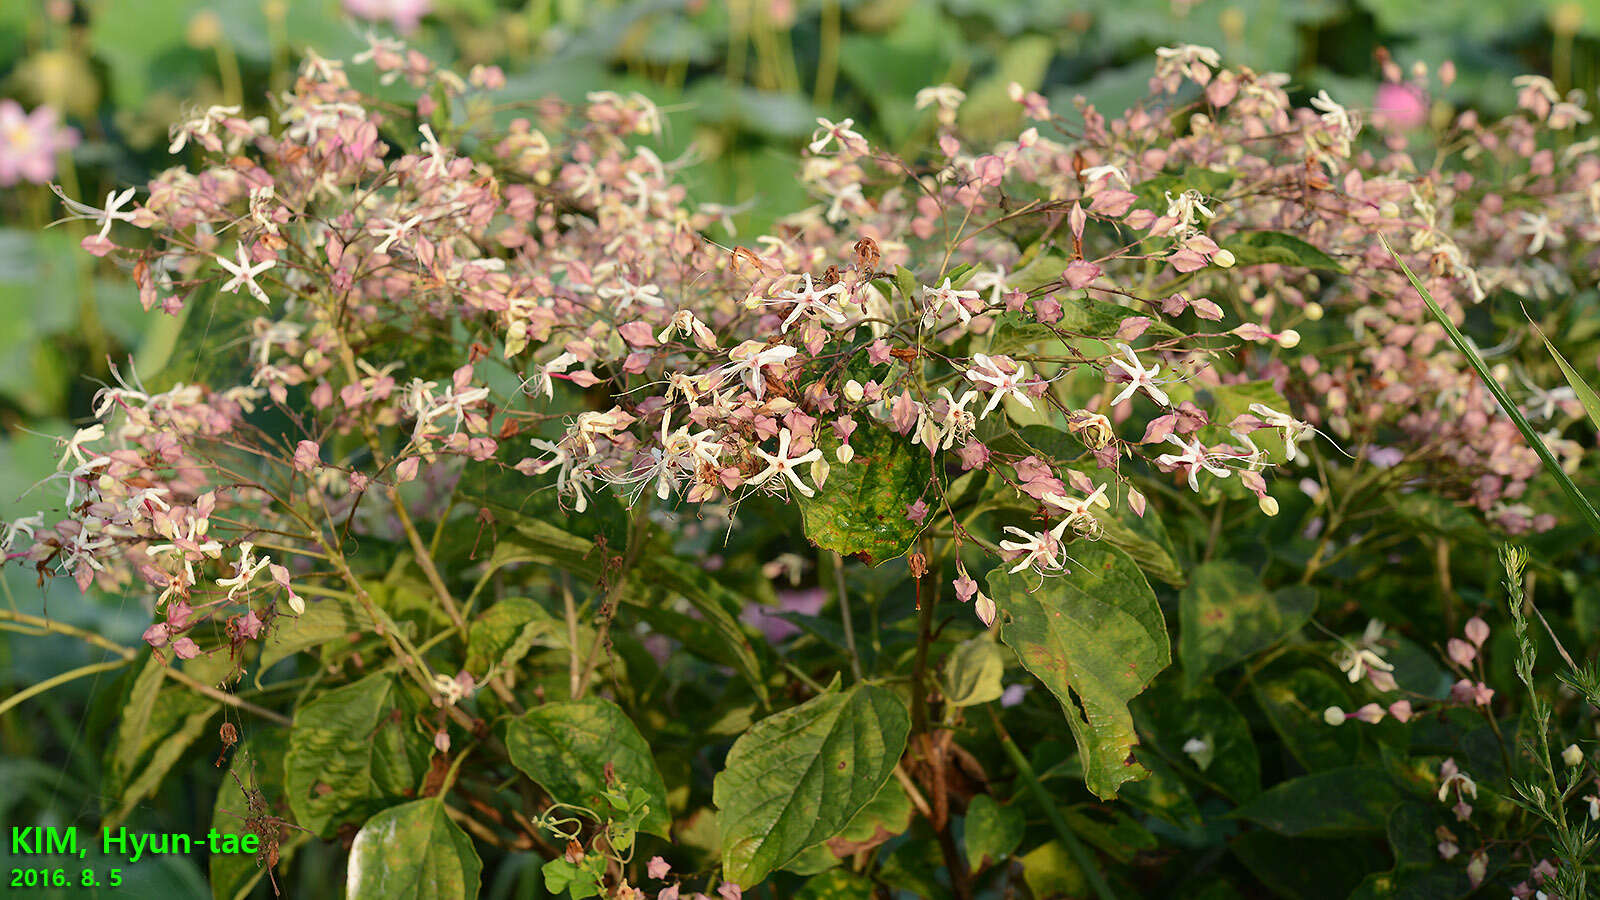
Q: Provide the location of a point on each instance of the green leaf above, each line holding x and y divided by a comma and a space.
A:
798, 777
504, 634
973, 672
1227, 616
537, 541
718, 606
991, 832
1586, 395
346, 755
138, 56
1050, 871
1307, 868
906, 281
1144, 538
1102, 319
887, 816
1254, 248
1171, 714
1293, 696
158, 723
913, 869
324, 620
1111, 831
1096, 639
1551, 464
1152, 194
861, 510
576, 880
1044, 268
837, 884
1333, 803
412, 852
565, 746
1164, 795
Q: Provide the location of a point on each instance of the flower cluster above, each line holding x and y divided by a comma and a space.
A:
427, 288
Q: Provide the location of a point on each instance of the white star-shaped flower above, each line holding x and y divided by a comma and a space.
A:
812, 301
244, 274
781, 465
1139, 377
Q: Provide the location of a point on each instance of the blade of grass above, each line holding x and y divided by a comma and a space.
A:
1499, 392
1586, 394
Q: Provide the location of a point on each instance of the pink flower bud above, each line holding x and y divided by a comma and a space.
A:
1371, 714
307, 456
156, 635
1460, 652
1132, 327
1477, 631
407, 470
1080, 274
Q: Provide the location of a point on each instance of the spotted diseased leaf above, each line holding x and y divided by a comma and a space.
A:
347, 753
886, 817
160, 720
412, 852
837, 884
1254, 248
506, 631
323, 621
1293, 695
799, 777
861, 509
1227, 616
1095, 638
1198, 727
566, 747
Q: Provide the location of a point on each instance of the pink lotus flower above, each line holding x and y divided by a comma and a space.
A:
29, 143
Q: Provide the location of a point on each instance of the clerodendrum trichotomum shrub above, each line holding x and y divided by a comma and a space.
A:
508, 487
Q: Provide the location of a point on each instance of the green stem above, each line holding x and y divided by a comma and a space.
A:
81, 672
1080, 854
844, 615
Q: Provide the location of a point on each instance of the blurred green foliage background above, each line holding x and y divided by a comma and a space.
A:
742, 82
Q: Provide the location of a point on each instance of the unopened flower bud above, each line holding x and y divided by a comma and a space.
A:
1313, 312
853, 391
845, 453
1333, 715
1269, 505
820, 470
1289, 339
1572, 756
1224, 258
